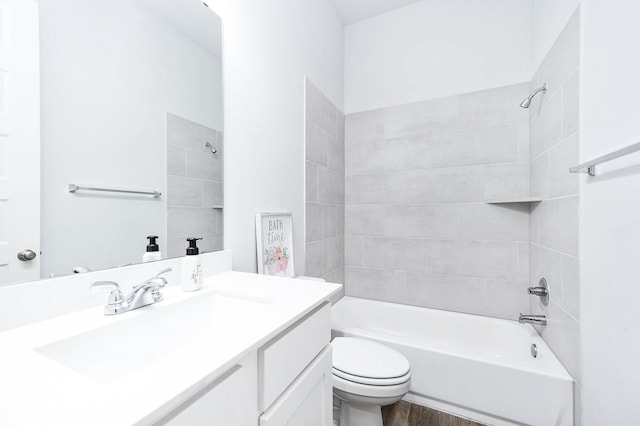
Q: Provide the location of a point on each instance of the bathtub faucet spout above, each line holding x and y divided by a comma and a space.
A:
533, 319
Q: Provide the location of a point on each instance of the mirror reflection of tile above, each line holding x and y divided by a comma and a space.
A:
194, 185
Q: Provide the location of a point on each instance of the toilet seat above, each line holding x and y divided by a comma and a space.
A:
371, 381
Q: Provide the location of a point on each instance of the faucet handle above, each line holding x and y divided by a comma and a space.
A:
115, 297
542, 291
157, 281
164, 271
538, 291
162, 279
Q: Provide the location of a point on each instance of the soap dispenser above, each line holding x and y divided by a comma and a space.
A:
153, 250
192, 267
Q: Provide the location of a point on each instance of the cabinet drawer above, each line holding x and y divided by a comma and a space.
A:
284, 358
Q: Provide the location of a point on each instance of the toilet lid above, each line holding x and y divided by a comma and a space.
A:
368, 359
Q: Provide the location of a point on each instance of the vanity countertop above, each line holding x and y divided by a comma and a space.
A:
125, 383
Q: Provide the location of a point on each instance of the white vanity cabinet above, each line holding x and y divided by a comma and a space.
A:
295, 374
285, 382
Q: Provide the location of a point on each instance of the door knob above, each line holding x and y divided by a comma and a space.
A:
27, 255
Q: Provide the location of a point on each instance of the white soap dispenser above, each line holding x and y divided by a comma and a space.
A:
153, 250
192, 267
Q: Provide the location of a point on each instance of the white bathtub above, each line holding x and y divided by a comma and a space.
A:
472, 366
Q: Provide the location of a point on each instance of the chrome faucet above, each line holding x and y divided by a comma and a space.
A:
143, 294
533, 319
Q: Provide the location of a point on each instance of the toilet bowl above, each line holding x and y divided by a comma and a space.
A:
366, 376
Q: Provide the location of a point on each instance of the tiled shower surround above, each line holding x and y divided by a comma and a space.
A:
194, 186
418, 228
554, 221
324, 169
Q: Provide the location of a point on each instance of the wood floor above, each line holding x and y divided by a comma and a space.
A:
403, 413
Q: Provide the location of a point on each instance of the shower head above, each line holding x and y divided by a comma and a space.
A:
208, 145
526, 103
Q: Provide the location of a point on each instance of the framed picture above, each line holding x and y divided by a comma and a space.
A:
274, 237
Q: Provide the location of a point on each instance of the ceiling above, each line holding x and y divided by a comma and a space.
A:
193, 19
352, 11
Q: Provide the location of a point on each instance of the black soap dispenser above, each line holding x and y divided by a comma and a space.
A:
192, 267
153, 250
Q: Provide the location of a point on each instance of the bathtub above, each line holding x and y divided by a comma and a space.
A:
472, 366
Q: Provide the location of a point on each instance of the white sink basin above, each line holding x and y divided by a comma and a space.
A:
109, 353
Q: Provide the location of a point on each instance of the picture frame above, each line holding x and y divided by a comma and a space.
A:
274, 244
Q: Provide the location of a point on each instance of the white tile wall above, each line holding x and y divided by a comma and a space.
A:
397, 253
378, 284
506, 181
482, 145
558, 224
540, 176
503, 297
325, 187
451, 292
554, 221
561, 157
364, 126
418, 230
354, 250
421, 118
418, 221
506, 222
364, 219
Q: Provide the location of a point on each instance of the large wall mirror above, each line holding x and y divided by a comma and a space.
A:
130, 95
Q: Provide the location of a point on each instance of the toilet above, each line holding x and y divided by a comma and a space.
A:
366, 376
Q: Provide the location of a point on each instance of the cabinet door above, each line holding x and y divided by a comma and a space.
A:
230, 400
308, 400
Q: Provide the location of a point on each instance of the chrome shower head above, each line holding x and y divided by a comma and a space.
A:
208, 145
526, 103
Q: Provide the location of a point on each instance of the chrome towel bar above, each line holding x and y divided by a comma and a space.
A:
73, 188
590, 166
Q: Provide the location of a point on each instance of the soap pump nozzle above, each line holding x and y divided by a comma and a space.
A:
193, 249
153, 245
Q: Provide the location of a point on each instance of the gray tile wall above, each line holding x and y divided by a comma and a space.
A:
194, 186
418, 230
554, 221
324, 181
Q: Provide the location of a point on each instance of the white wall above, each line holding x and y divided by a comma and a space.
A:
549, 18
268, 49
101, 128
610, 208
437, 48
